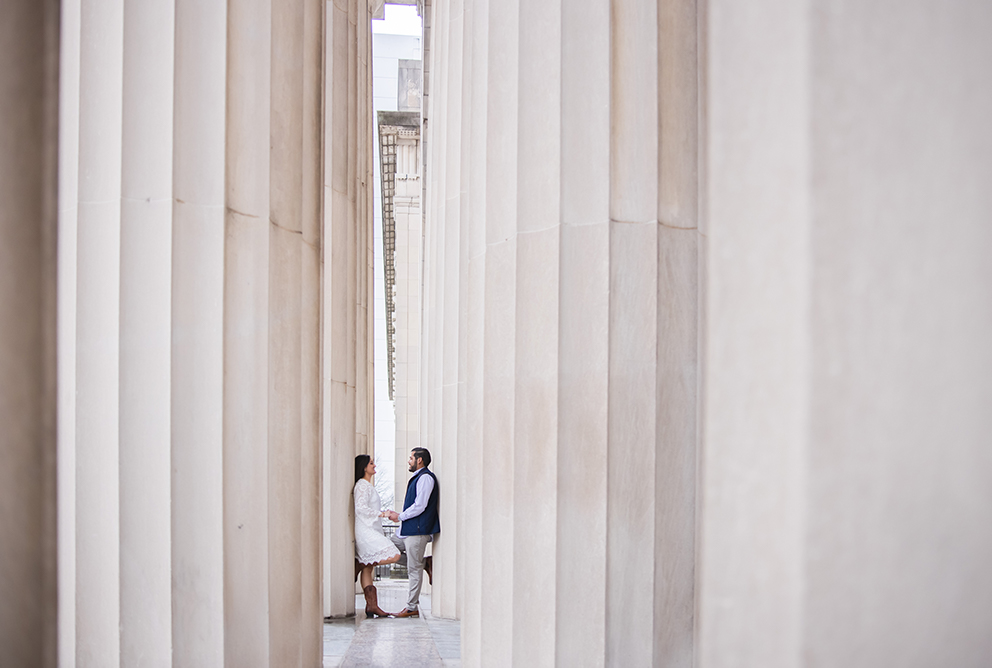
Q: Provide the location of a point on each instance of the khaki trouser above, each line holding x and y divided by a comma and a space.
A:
414, 547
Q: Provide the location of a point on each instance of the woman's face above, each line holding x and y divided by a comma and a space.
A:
370, 468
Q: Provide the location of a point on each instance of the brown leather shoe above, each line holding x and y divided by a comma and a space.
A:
408, 613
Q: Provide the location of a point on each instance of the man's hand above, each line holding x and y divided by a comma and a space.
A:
393, 516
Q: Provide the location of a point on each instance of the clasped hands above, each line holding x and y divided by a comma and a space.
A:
391, 514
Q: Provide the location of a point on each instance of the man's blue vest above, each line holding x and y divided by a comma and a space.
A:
427, 522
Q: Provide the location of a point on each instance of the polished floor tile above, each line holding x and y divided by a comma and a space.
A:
414, 642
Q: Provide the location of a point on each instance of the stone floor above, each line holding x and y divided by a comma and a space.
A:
424, 641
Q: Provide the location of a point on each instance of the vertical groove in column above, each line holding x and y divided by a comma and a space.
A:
97, 335
444, 595
339, 448
197, 333
313, 34
475, 222
463, 514
285, 276
536, 370
584, 331
351, 255
675, 472
246, 339
500, 325
146, 334
361, 229
633, 331
68, 184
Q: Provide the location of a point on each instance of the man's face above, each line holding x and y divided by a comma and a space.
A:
413, 462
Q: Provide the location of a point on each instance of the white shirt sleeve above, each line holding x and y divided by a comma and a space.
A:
425, 485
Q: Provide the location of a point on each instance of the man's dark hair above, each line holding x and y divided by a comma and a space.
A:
422, 454
361, 461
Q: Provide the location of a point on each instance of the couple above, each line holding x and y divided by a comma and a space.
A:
418, 524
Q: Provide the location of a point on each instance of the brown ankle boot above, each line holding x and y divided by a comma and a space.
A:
372, 608
429, 569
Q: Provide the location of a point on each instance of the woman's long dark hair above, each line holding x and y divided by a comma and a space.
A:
361, 461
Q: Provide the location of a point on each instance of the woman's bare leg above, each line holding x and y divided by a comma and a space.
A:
366, 575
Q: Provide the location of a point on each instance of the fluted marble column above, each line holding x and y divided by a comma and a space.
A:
246, 335
145, 335
198, 333
191, 265
574, 342
845, 341
28, 191
97, 344
338, 430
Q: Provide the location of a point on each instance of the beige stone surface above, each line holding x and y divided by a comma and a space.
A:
145, 337
97, 342
246, 337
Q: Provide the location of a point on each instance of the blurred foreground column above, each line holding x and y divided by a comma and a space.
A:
28, 135
848, 374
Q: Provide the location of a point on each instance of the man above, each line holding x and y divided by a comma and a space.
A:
418, 524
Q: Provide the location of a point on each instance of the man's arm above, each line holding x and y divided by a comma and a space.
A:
424, 488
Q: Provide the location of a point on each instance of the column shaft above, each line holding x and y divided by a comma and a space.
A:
98, 332
310, 400
499, 385
339, 449
246, 335
584, 327
145, 335
678, 295
198, 333
475, 155
535, 425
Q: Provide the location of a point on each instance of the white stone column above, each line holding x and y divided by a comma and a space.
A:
198, 333
246, 335
536, 335
755, 337
146, 335
584, 324
285, 384
633, 432
337, 429
499, 382
845, 341
28, 191
444, 549
464, 515
97, 334
310, 400
475, 155
678, 297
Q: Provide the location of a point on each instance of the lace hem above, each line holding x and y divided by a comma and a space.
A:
384, 553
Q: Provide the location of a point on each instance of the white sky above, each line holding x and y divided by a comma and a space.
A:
400, 20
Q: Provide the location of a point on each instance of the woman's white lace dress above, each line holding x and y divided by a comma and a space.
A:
371, 545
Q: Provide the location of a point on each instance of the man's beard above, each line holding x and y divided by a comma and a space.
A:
413, 468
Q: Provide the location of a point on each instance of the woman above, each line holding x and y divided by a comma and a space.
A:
371, 545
